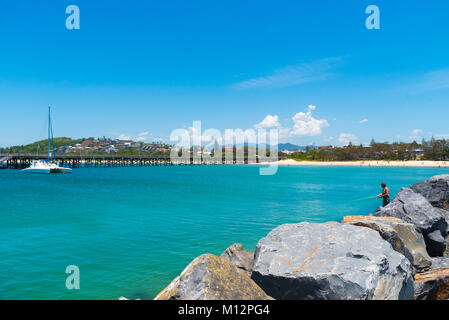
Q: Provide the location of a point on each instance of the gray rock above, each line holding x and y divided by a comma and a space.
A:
402, 236
435, 190
440, 262
330, 261
412, 207
445, 214
238, 256
446, 253
209, 277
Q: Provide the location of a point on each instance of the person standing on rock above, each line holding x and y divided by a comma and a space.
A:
385, 195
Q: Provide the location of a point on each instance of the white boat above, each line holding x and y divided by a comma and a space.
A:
47, 165
42, 166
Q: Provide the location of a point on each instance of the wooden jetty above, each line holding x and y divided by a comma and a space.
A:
16, 161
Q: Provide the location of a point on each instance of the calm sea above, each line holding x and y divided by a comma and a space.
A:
132, 230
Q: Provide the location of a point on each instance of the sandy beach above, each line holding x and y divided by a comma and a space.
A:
368, 163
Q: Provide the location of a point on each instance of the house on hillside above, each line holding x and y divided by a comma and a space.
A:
148, 147
90, 144
108, 149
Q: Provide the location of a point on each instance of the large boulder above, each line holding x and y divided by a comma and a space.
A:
402, 236
435, 190
239, 257
330, 261
412, 207
209, 277
433, 284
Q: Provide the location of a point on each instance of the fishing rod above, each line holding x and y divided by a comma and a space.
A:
365, 198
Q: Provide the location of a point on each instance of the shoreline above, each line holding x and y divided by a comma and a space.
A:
366, 163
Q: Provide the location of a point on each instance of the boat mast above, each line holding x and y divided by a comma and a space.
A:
50, 136
49, 124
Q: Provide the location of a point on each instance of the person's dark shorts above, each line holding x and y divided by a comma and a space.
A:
386, 201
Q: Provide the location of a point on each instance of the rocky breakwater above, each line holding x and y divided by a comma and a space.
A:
396, 254
436, 191
412, 207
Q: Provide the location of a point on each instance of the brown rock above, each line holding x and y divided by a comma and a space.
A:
209, 277
432, 285
238, 256
348, 219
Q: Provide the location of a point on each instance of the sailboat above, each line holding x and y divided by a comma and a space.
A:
47, 165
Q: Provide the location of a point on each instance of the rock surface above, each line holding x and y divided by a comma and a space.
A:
445, 213
440, 262
446, 252
435, 190
432, 285
209, 277
330, 261
412, 207
402, 236
239, 257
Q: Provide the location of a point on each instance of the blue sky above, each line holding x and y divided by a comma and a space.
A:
148, 67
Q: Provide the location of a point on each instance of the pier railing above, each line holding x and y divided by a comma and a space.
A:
18, 161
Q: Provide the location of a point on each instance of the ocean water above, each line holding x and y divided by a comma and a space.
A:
132, 230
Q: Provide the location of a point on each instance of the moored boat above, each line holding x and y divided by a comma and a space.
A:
47, 166
42, 166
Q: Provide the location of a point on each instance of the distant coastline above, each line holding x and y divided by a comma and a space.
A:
366, 163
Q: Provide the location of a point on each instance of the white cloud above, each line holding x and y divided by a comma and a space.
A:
345, 138
363, 121
269, 122
304, 124
124, 137
292, 75
142, 136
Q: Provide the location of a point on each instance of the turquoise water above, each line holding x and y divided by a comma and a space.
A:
132, 230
